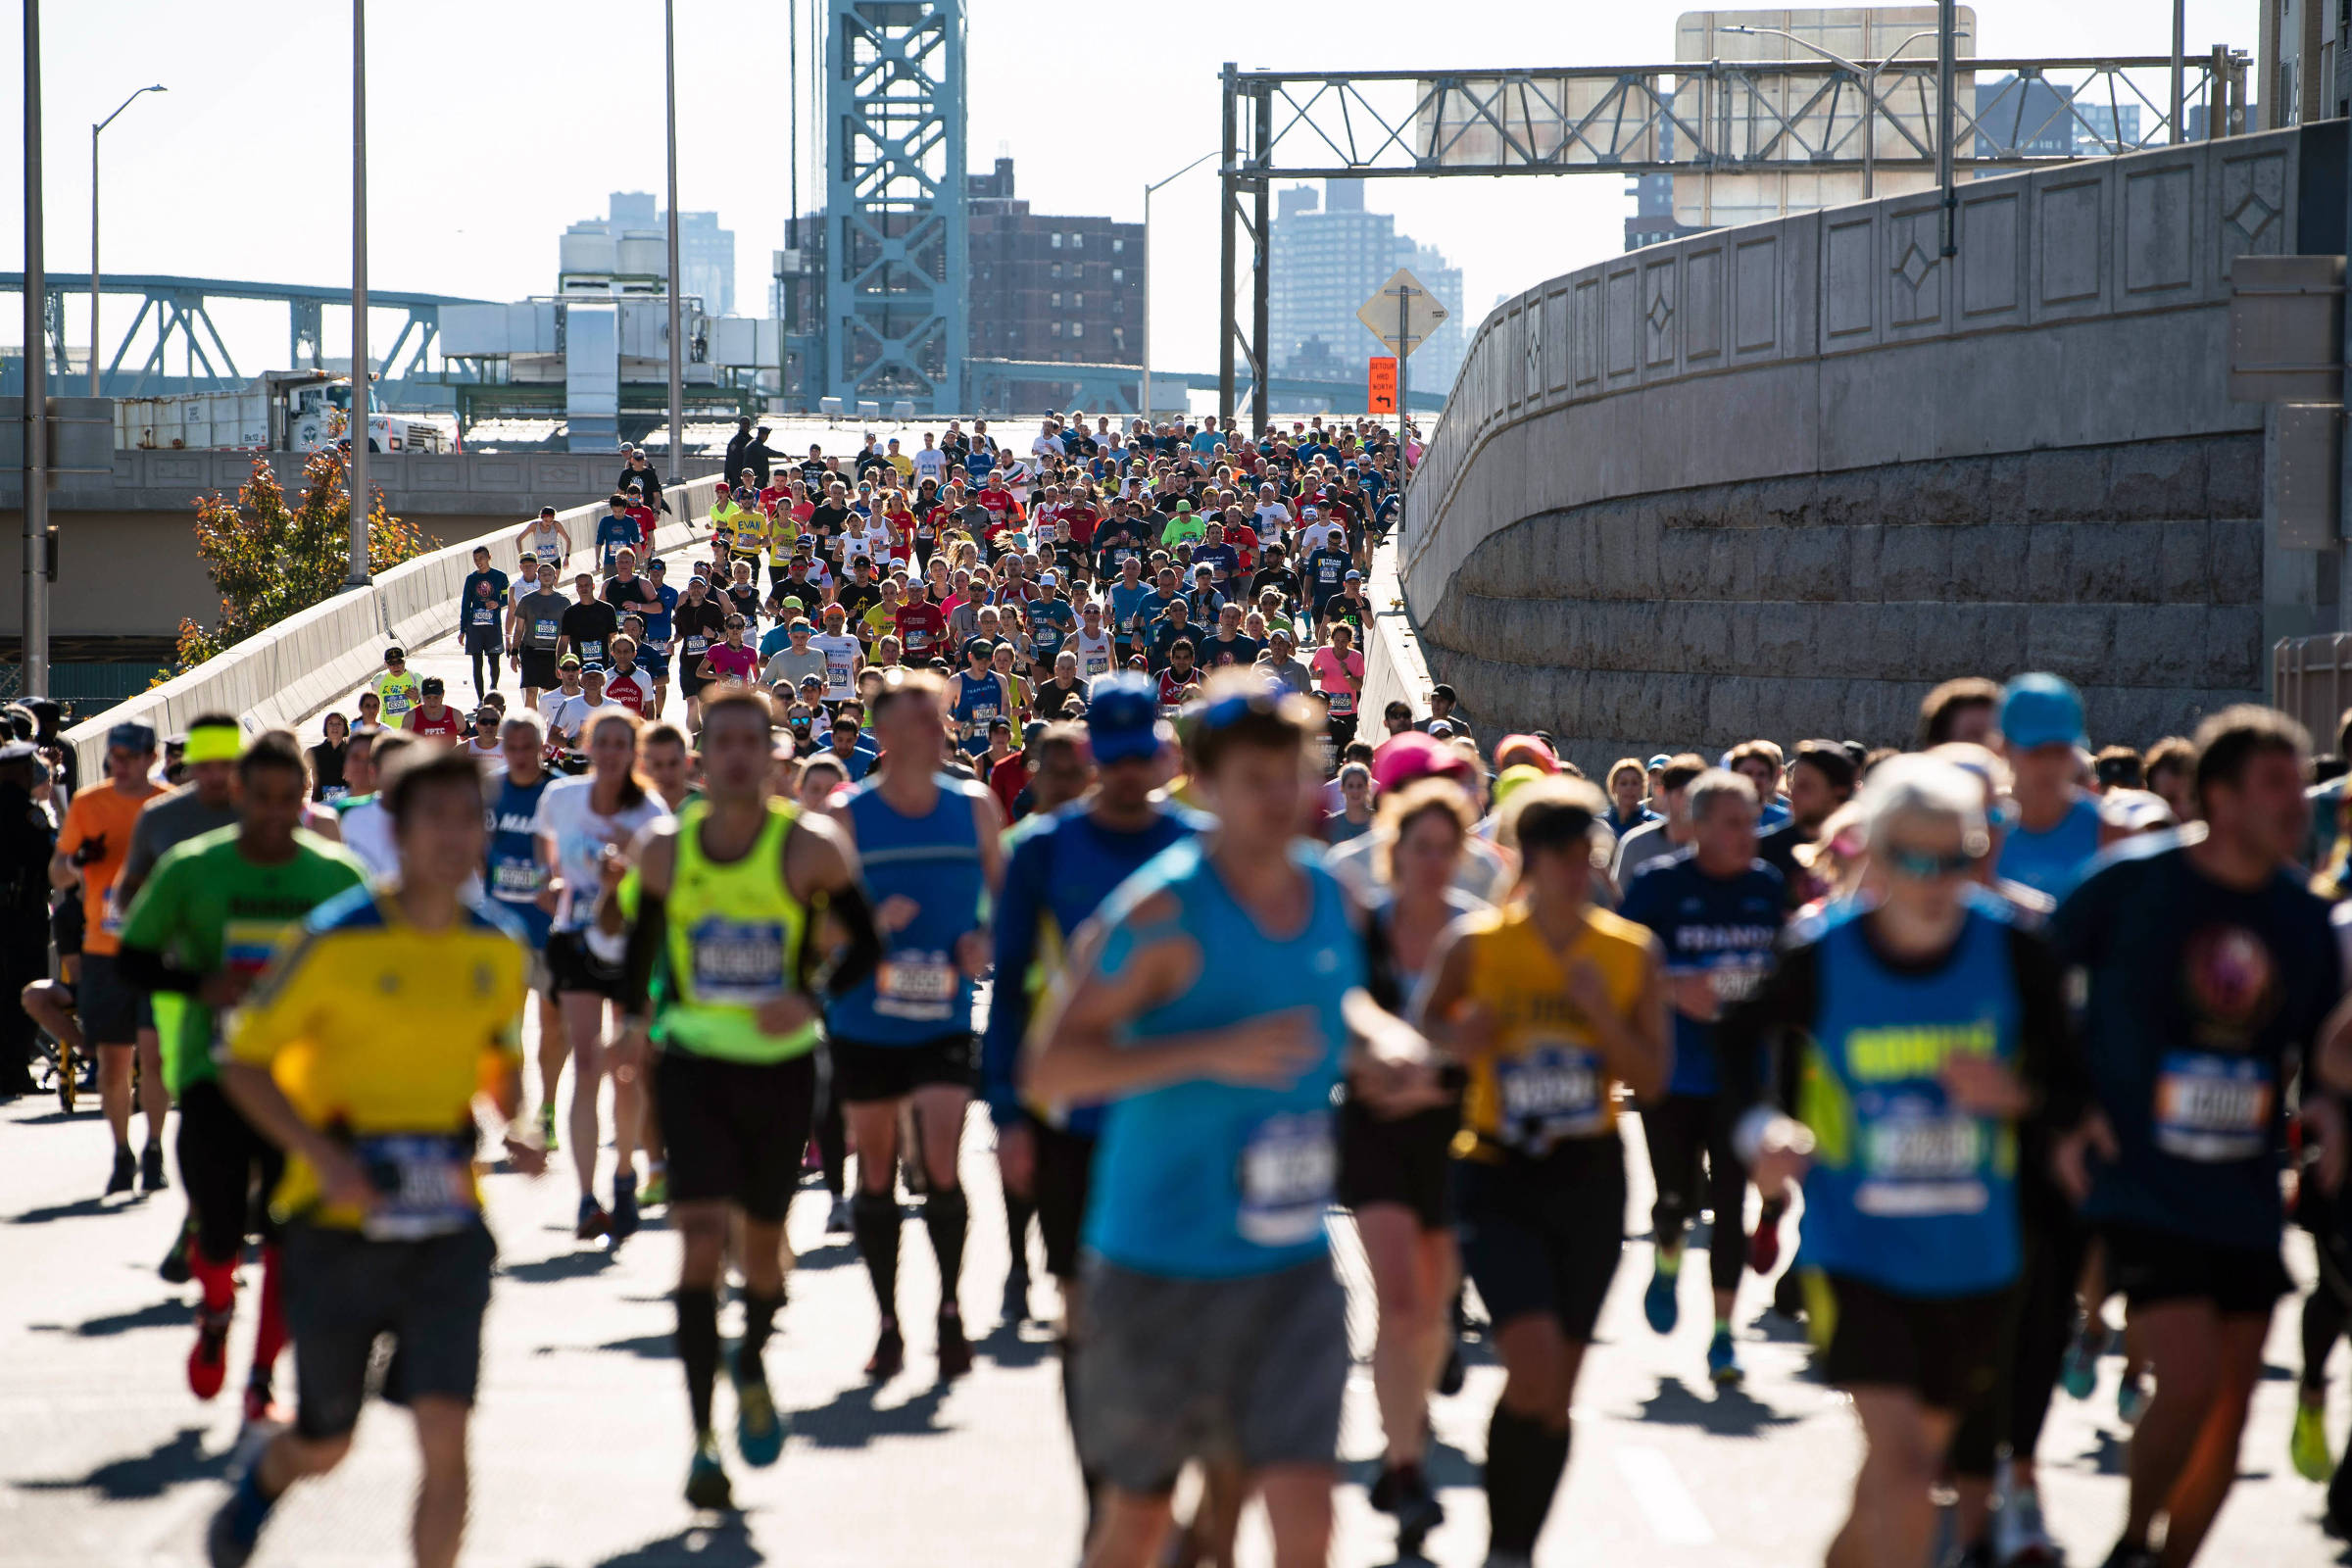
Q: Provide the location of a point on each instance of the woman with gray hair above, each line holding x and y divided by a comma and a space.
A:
1910, 1038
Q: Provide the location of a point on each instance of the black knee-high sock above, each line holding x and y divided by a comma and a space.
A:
874, 1216
949, 1218
759, 1322
1525, 1460
698, 1347
1089, 1479
1018, 1214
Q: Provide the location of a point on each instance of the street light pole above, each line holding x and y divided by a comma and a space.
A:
33, 668
1868, 78
360, 495
2180, 64
1946, 48
1145, 410
678, 368
95, 131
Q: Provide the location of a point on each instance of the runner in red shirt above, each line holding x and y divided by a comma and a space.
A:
432, 716
645, 521
922, 626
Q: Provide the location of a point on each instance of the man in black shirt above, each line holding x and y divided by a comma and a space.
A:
589, 625
736, 445
859, 593
813, 473
1272, 573
629, 594
646, 480
535, 634
1821, 779
758, 457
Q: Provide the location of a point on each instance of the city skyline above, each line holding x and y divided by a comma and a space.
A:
199, 183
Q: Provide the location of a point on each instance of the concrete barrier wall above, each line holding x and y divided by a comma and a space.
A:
294, 668
1780, 478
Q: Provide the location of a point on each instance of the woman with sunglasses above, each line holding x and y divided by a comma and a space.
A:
1911, 1036
730, 661
1548, 1003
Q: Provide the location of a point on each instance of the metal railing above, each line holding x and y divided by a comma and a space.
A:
2310, 679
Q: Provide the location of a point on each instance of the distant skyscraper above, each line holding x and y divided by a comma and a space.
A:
1328, 256
706, 251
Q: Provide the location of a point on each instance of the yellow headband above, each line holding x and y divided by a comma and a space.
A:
215, 742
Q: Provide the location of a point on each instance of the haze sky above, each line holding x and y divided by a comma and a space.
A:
494, 123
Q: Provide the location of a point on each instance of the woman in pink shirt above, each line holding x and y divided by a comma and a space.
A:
731, 661
1338, 671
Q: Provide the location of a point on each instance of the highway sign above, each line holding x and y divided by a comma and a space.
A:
1403, 314
1381, 385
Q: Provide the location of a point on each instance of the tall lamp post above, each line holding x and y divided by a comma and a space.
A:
1869, 76
95, 131
677, 368
33, 659
360, 495
1148, 190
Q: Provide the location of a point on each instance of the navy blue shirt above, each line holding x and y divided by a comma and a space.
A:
2202, 1001
1723, 928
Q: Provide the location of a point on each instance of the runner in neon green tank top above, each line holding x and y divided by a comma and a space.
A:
728, 912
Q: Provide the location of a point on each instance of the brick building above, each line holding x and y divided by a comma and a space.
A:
1049, 288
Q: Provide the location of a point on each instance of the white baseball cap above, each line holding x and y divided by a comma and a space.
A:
1049, 579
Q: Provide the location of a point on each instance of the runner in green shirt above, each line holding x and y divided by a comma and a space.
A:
200, 930
395, 687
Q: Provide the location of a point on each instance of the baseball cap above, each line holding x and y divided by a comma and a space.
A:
1122, 718
1401, 758
431, 683
1049, 579
2040, 709
810, 680
1656, 762
978, 648
1352, 576
1512, 777
1032, 730
131, 736
1525, 751
568, 661
391, 654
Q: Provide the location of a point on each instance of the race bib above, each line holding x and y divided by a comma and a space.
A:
335, 791
592, 652
1735, 979
916, 986
544, 630
695, 646
1920, 1159
1343, 704
1287, 1172
423, 1184
1550, 1093
737, 963
2212, 1109
485, 614
517, 881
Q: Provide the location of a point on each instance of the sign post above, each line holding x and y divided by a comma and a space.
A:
1403, 314
1382, 385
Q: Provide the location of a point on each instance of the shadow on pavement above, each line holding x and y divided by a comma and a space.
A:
560, 1266
726, 1543
851, 1420
80, 1208
176, 1462
649, 1346
154, 1316
1731, 1413
1006, 1345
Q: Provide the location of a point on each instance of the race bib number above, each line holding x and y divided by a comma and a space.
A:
737, 963
1343, 704
917, 984
1287, 1172
517, 881
335, 791
485, 614
1735, 979
2212, 1109
423, 1184
697, 646
592, 652
1920, 1159
544, 631
1550, 1093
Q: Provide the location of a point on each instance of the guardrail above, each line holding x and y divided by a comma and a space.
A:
2310, 679
289, 671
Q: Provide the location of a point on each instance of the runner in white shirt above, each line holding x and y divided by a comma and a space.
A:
1096, 654
546, 538
1273, 519
1312, 530
841, 656
930, 463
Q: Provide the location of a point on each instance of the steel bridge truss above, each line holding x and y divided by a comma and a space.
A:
1727, 118
898, 251
176, 308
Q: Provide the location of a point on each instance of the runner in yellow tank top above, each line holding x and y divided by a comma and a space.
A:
1550, 1004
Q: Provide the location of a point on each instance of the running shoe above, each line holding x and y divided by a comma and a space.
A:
1016, 1297
175, 1268
1419, 1511
837, 1223
236, 1524
151, 1169
955, 1350
1764, 1245
208, 1361
2131, 1399
2307, 1444
1658, 1302
890, 1354
705, 1478
2128, 1556
593, 1221
657, 1188
2018, 1535
626, 1218
547, 1127
759, 1429
2079, 1376
127, 1171
1723, 1361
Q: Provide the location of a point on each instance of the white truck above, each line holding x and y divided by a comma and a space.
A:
283, 410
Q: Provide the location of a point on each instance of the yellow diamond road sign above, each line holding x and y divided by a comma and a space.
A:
1403, 314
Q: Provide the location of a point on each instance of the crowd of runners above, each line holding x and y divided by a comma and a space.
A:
1038, 777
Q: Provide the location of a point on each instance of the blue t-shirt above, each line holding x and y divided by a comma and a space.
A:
1050, 624
479, 615
658, 627
1206, 1180
1723, 928
1126, 604
856, 764
2200, 996
2055, 858
511, 874
1060, 867
917, 993
614, 534
1907, 1190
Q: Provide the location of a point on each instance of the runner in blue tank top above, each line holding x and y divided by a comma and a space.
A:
1911, 1036
514, 878
977, 698
2057, 832
928, 842
1214, 1325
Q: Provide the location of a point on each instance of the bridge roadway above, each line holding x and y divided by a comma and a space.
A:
581, 1433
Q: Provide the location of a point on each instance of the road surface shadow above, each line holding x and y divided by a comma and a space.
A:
726, 1542
177, 1462
155, 1315
80, 1208
1006, 1346
560, 1266
648, 1346
851, 1420
1730, 1413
